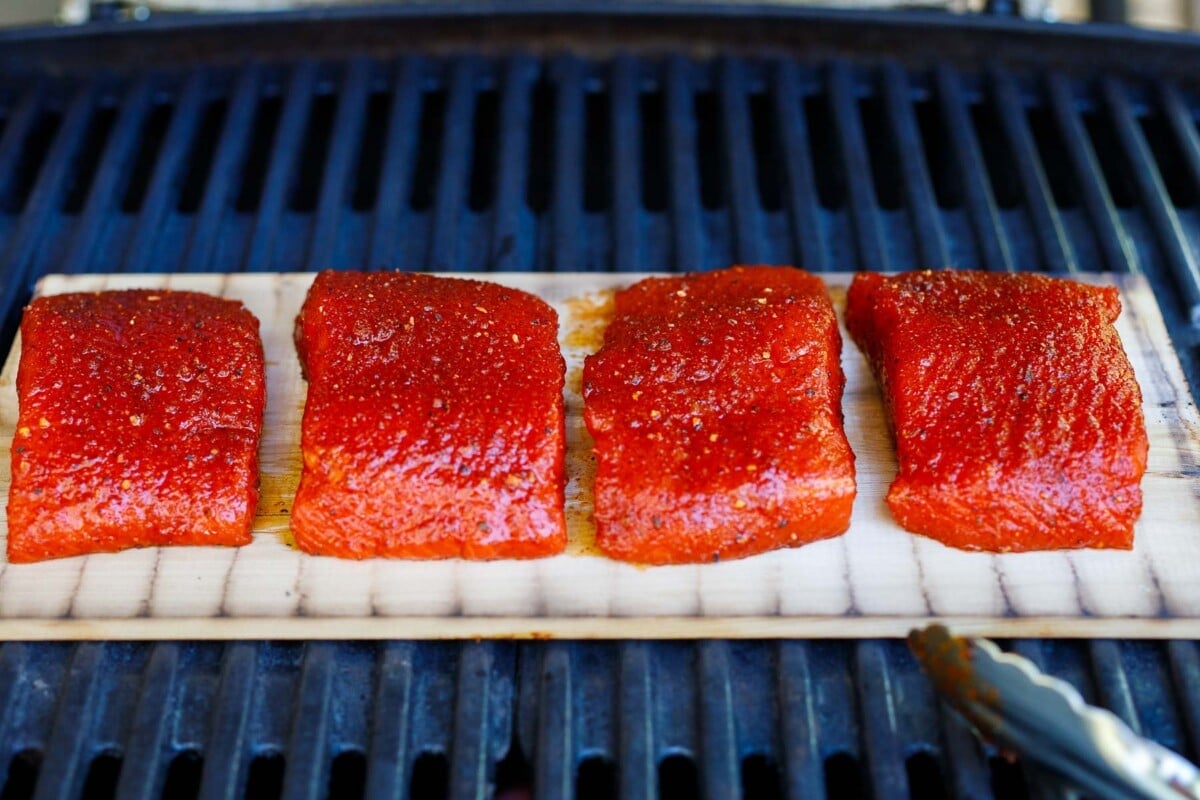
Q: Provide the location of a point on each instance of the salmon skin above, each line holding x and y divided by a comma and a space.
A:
139, 421
434, 425
1016, 415
715, 405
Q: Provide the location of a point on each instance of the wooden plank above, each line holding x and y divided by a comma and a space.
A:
878, 580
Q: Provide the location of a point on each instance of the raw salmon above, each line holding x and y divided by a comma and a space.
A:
1017, 419
140, 415
715, 404
434, 423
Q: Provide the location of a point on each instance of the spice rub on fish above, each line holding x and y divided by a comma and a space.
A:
715, 404
1017, 419
139, 421
434, 425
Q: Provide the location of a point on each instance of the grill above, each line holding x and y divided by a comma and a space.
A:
595, 140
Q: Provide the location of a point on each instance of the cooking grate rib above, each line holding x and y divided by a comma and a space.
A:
520, 162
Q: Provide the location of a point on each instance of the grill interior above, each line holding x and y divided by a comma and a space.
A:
650, 158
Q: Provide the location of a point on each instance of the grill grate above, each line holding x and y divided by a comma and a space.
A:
477, 163
753, 719
518, 160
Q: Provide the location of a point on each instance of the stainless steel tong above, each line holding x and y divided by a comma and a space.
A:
1081, 748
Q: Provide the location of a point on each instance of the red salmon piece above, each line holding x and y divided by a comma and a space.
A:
434, 425
715, 404
1017, 419
140, 414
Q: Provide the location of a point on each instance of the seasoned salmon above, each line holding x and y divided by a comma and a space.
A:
434, 424
715, 405
1017, 418
139, 421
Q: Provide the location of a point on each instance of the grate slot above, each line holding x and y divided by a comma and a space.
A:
429, 136
348, 775
201, 155
823, 148
262, 134
370, 160
596, 779
885, 167
1169, 158
678, 777
936, 150
154, 131
654, 159
843, 778
430, 777
709, 140
318, 129
87, 159
21, 778
541, 138
35, 146
924, 776
628, 190
183, 776
761, 779
484, 135
764, 131
597, 171
264, 779
514, 776
1002, 172
1113, 165
102, 776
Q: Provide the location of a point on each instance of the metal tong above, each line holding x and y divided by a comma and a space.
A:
1045, 720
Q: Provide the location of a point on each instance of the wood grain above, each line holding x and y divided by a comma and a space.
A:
877, 580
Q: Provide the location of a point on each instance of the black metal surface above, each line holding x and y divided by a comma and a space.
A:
829, 156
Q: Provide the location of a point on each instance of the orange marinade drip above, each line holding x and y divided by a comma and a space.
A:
140, 415
715, 404
434, 425
1017, 419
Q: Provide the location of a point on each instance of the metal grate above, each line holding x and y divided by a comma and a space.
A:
515, 160
638, 719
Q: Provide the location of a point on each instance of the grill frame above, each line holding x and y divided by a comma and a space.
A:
503, 711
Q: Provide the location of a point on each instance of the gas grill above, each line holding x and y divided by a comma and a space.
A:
616, 137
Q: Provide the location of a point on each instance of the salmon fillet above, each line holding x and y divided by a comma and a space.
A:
140, 414
1017, 418
434, 423
715, 404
